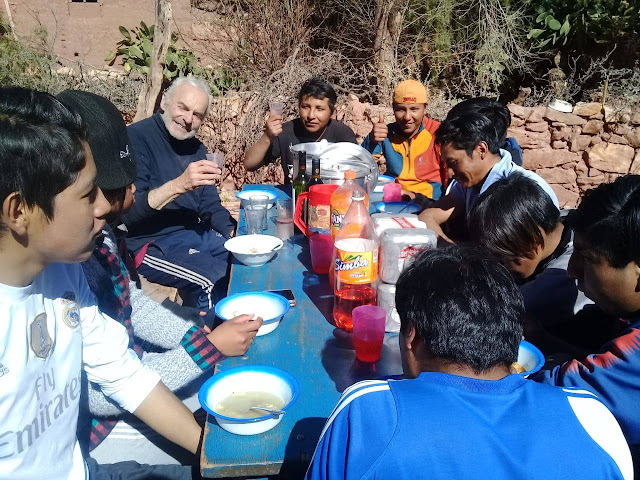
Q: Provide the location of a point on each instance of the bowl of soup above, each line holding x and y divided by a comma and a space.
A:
530, 359
253, 250
229, 395
271, 307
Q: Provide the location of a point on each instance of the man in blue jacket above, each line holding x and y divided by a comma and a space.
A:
606, 264
459, 413
177, 226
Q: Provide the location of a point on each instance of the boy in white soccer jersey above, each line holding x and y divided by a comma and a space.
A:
51, 328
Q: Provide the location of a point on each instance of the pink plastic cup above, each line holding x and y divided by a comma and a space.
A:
321, 252
392, 192
368, 332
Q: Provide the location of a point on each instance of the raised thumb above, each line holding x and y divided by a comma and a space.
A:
381, 118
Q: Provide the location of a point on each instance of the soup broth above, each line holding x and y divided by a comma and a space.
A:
237, 404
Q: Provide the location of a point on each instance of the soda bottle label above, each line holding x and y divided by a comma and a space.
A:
336, 220
356, 268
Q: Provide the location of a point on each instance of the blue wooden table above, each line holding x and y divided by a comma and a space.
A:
307, 345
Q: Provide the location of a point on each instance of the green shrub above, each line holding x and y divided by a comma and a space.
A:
582, 22
136, 49
23, 65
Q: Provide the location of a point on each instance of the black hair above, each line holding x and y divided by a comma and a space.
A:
317, 88
116, 195
495, 111
608, 219
466, 131
506, 219
41, 149
464, 305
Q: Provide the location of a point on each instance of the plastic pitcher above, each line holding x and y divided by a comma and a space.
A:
319, 218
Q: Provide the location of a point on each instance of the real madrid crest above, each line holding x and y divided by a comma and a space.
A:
40, 339
70, 312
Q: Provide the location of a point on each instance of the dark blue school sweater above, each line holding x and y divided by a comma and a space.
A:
162, 158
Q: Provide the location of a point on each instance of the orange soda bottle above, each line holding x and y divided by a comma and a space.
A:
341, 200
356, 263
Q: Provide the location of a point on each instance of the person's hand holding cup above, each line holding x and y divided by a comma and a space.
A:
273, 126
216, 158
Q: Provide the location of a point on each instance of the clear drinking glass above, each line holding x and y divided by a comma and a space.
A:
254, 218
217, 158
260, 201
284, 220
276, 107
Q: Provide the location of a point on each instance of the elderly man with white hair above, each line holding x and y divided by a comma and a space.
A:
177, 226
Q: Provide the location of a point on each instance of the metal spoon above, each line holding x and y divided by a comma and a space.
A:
277, 413
405, 207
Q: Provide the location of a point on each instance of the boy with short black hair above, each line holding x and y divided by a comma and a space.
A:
516, 220
52, 212
499, 115
459, 413
316, 104
470, 148
606, 264
176, 349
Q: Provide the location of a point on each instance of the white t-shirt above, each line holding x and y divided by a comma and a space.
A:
50, 331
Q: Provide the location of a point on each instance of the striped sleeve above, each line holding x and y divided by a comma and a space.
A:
202, 351
346, 448
602, 427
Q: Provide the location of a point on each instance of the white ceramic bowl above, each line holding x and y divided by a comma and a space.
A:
253, 250
270, 306
249, 378
530, 357
245, 195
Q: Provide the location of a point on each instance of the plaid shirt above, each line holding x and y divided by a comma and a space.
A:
195, 340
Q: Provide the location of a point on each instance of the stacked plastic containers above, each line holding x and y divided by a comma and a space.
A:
402, 237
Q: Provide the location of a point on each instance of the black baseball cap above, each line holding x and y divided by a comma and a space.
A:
108, 139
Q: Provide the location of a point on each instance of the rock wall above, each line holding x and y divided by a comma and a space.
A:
577, 151
574, 152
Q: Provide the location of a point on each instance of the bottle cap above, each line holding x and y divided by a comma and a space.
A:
357, 195
350, 175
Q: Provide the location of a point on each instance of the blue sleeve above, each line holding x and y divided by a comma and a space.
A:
612, 375
356, 434
140, 210
374, 148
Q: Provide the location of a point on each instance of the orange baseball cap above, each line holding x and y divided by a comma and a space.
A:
410, 91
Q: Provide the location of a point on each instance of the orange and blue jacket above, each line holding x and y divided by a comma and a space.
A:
414, 162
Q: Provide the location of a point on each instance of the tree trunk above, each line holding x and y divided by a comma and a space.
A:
10, 19
388, 23
153, 83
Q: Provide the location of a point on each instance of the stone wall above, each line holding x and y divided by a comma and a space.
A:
572, 151
577, 151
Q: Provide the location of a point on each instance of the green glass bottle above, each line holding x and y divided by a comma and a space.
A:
300, 183
315, 172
